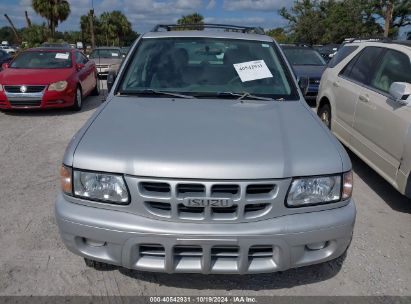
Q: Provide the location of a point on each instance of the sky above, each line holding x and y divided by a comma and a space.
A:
144, 14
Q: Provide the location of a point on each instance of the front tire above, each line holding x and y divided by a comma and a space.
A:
78, 99
96, 90
325, 115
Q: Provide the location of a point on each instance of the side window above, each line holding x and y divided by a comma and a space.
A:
394, 67
342, 53
80, 58
363, 68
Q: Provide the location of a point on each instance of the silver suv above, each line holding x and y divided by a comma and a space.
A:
205, 158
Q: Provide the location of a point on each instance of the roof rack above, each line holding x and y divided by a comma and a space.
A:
201, 26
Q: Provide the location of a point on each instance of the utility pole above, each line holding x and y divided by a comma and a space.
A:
27, 19
91, 18
13, 28
388, 17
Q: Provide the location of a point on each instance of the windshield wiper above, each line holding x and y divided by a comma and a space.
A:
156, 92
244, 95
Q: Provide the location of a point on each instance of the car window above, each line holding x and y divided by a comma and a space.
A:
80, 58
42, 60
303, 56
362, 66
2, 54
394, 67
342, 53
105, 53
206, 66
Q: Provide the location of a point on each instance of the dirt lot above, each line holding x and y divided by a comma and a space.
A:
33, 260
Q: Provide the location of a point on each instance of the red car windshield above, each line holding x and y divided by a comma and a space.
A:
42, 60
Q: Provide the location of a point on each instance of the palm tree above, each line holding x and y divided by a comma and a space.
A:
195, 18
54, 11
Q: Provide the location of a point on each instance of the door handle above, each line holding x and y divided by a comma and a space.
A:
336, 84
364, 98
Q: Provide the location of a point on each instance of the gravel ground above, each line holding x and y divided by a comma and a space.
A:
33, 260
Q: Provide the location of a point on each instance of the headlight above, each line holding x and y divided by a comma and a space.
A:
319, 190
58, 86
110, 188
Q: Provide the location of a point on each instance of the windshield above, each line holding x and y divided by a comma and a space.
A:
208, 67
42, 60
105, 53
307, 56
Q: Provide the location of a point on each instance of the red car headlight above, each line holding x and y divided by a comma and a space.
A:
58, 86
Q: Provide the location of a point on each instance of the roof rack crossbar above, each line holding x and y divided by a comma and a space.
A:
243, 29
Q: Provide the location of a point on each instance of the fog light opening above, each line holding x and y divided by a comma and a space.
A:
94, 243
317, 246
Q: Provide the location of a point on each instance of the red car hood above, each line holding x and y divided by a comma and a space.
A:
12, 76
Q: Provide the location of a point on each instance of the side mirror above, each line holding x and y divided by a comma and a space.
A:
79, 66
111, 78
303, 83
5, 66
401, 92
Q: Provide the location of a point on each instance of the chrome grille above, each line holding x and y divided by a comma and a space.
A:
167, 199
28, 88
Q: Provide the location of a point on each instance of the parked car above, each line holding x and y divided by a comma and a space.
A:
208, 167
4, 58
106, 58
327, 51
8, 49
125, 50
307, 62
47, 78
365, 99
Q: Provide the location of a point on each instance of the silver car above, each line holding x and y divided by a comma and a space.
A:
106, 58
206, 159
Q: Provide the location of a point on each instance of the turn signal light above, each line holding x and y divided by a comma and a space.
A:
66, 180
348, 184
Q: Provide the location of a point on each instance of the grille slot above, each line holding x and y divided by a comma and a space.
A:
159, 208
260, 191
188, 251
29, 89
182, 208
190, 190
255, 207
225, 190
25, 103
152, 250
260, 251
231, 209
155, 189
225, 251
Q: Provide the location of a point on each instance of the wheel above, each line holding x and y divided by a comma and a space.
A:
78, 102
325, 115
96, 90
98, 265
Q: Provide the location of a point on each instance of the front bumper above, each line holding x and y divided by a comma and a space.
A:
141, 243
43, 100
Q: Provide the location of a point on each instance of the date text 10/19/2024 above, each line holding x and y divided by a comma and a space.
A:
203, 299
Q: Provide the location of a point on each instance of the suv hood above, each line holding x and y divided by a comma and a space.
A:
209, 139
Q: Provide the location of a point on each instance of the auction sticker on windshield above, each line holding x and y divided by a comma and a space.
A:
62, 56
252, 70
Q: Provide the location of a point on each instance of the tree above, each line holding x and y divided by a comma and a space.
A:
54, 11
194, 18
395, 13
278, 34
321, 22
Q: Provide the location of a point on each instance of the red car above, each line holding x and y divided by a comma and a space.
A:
47, 78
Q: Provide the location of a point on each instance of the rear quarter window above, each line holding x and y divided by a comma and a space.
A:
342, 53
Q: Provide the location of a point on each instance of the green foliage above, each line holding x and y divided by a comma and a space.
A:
54, 11
110, 28
34, 35
6, 34
278, 34
194, 18
331, 21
